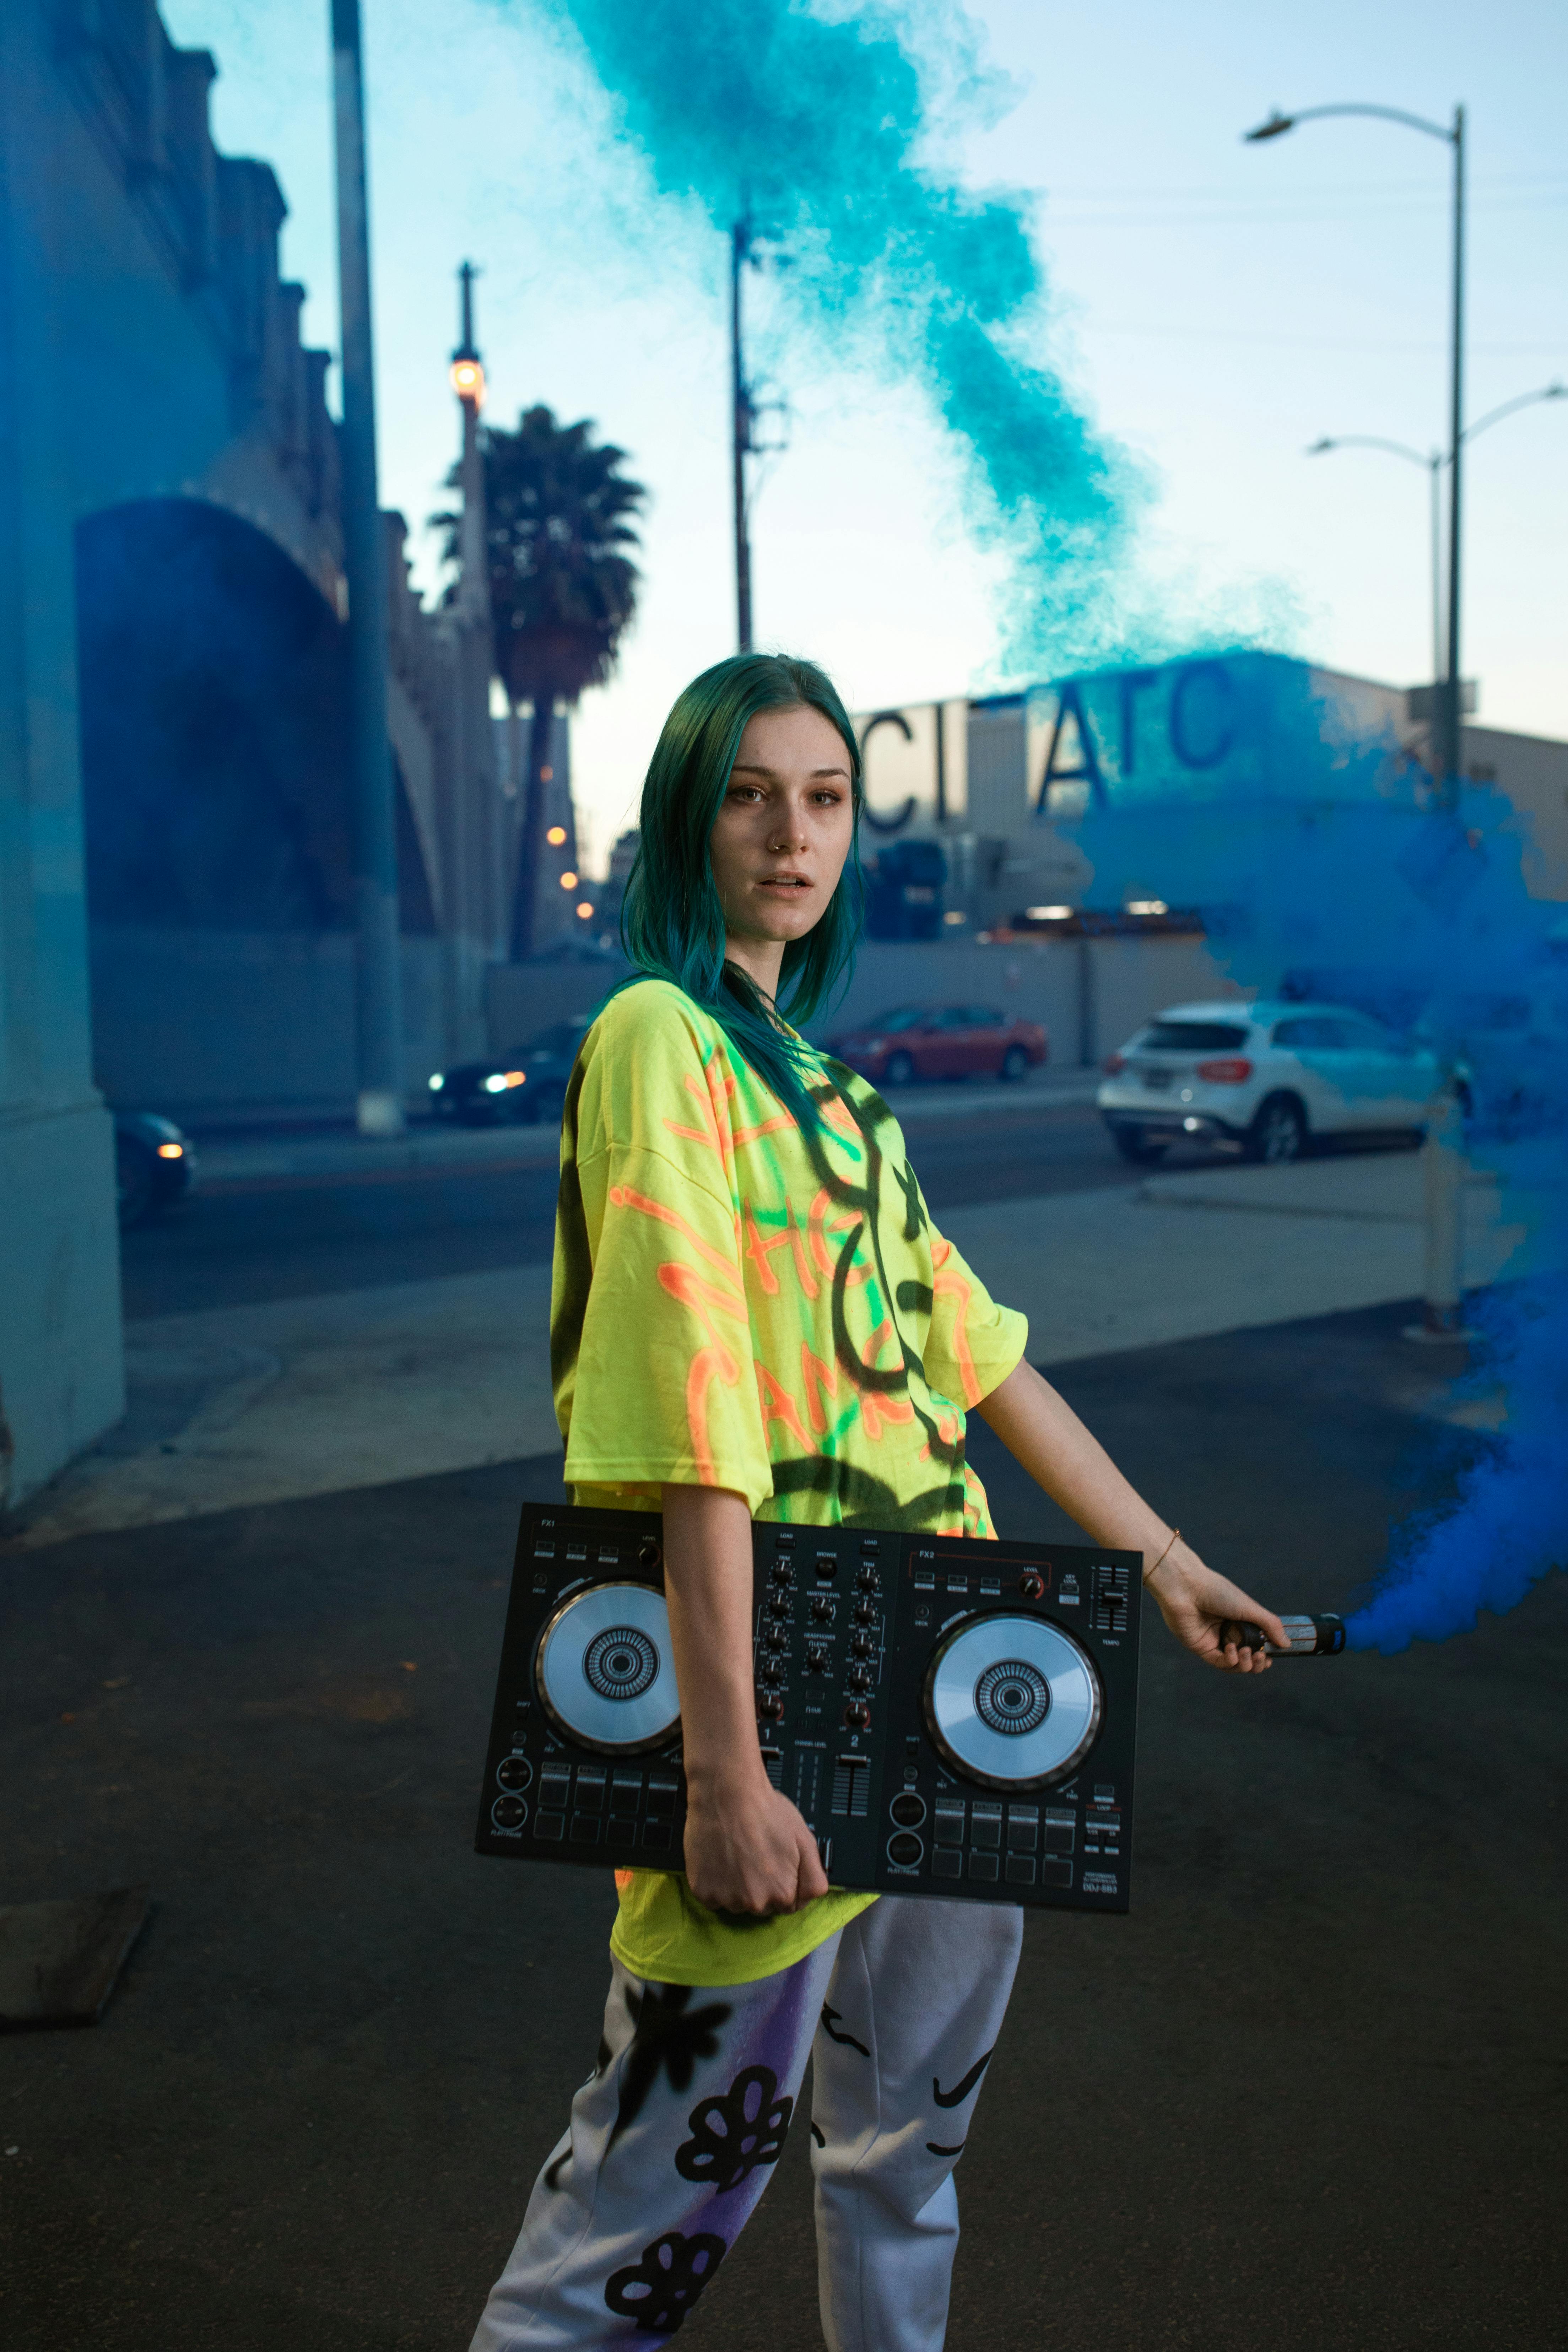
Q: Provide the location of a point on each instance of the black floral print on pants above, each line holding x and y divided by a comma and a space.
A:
659, 2291
733, 2134
670, 2036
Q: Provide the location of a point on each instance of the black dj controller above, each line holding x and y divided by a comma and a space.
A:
951, 1717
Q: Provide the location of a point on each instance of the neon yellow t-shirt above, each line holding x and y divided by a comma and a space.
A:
740, 1302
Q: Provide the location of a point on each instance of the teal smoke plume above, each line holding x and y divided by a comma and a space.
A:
823, 124
1312, 852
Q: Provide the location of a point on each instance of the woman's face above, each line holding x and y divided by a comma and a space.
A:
784, 830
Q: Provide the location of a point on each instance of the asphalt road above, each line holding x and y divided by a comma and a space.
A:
1306, 2095
287, 1238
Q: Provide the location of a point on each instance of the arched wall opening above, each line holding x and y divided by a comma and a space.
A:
218, 823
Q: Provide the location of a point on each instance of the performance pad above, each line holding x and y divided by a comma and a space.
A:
951, 1717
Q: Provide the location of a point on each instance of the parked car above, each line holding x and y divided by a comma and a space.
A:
944, 1041
528, 1084
153, 1165
1270, 1077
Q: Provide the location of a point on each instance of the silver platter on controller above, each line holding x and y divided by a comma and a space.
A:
604, 1670
1012, 1702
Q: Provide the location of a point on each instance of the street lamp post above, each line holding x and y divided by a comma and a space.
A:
1448, 742
1432, 462
741, 439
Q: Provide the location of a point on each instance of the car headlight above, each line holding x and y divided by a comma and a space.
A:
495, 1084
436, 1083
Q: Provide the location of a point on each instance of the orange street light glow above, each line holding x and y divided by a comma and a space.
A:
569, 881
468, 380
171, 1151
586, 909
556, 836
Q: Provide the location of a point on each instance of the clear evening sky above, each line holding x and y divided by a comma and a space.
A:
1218, 307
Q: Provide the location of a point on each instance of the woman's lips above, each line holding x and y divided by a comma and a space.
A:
784, 882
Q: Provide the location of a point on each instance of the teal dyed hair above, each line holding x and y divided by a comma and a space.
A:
672, 927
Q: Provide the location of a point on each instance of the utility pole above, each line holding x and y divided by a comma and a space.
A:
468, 383
380, 993
1449, 716
742, 443
474, 854
1450, 762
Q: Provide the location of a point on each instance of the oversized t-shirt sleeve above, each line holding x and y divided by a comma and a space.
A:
664, 1388
972, 1344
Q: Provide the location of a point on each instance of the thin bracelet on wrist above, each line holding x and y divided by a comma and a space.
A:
1176, 1538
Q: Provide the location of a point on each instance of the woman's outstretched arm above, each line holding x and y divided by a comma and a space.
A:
1042, 1430
747, 1847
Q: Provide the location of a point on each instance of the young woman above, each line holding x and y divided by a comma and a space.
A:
753, 1317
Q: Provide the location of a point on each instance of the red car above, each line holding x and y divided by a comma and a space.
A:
942, 1041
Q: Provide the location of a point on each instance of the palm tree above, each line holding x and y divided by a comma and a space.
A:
563, 590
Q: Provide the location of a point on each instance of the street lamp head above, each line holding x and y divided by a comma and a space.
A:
469, 379
1275, 128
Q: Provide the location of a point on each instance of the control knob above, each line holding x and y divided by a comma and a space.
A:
857, 1716
1032, 1584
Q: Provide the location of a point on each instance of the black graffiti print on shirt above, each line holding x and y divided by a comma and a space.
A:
960, 2091
733, 2134
670, 2036
658, 2291
863, 1200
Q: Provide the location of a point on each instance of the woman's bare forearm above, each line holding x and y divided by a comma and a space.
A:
746, 1847
708, 1589
1042, 1431
1202, 1610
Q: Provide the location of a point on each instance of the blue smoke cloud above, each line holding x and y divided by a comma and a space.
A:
823, 124
1312, 847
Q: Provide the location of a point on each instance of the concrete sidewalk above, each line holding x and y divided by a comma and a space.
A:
259, 1404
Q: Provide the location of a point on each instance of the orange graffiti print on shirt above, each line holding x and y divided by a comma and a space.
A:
819, 1381
946, 1285
778, 1405
876, 1406
706, 1298
759, 1248
821, 1225
717, 1133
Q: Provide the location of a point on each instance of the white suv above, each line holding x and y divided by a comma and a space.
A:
1269, 1077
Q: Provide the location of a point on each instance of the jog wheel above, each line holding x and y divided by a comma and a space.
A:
604, 1671
1012, 1702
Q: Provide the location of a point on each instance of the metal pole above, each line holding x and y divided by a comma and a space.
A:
740, 435
1443, 1177
380, 993
1436, 534
1453, 744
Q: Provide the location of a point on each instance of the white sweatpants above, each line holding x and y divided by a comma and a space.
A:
672, 2136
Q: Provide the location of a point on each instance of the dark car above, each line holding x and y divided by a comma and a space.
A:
153, 1165
942, 1041
526, 1084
